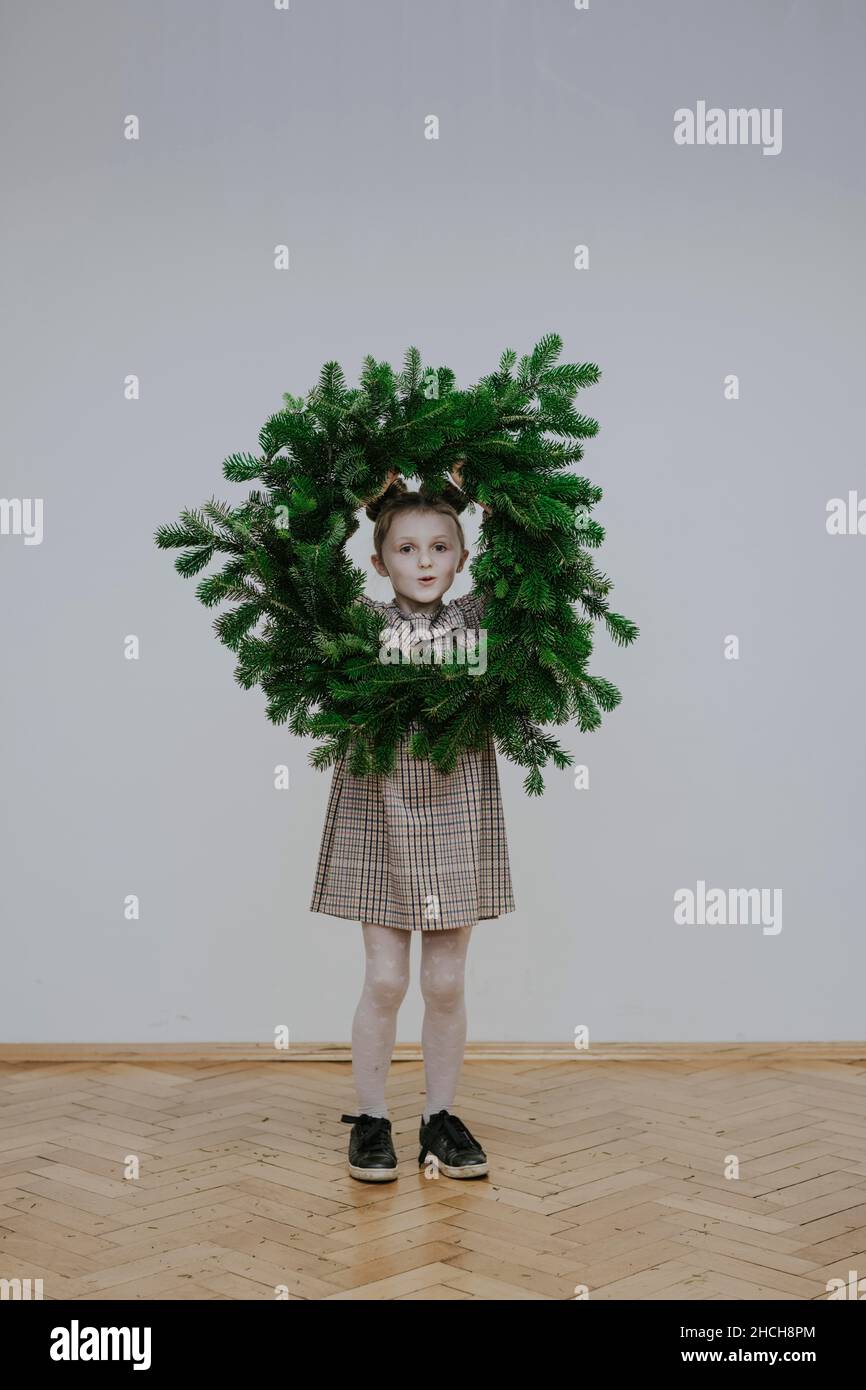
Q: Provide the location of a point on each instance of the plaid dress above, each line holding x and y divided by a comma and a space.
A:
417, 848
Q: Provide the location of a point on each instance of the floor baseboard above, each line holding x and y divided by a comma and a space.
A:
212, 1052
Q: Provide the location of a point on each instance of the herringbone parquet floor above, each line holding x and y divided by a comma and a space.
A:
228, 1181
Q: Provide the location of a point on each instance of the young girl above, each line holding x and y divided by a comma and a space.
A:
415, 850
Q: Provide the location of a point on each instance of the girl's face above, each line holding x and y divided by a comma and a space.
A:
420, 556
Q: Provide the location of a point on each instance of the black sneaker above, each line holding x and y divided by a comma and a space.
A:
371, 1149
458, 1153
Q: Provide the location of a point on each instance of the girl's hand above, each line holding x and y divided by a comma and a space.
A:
393, 475
456, 475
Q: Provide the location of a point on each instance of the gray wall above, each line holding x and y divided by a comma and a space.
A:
155, 257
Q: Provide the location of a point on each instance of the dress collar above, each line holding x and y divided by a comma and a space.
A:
410, 617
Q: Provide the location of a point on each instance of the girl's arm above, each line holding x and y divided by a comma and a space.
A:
474, 603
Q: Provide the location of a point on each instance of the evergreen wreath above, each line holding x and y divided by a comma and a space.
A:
316, 654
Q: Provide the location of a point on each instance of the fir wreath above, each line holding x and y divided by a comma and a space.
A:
316, 655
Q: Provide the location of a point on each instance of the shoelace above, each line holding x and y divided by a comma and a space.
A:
367, 1122
454, 1127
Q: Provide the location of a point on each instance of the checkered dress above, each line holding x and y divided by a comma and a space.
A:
417, 848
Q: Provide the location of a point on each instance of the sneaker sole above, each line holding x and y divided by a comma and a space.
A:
469, 1170
373, 1174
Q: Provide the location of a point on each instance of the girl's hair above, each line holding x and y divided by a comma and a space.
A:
398, 498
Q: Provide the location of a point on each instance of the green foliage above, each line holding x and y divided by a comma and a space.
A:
297, 629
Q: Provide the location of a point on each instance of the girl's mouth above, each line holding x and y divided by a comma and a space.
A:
427, 579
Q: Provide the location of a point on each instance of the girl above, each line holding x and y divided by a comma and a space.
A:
415, 850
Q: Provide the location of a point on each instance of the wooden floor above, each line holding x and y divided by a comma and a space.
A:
608, 1176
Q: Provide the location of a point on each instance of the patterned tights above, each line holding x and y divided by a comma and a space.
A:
443, 1033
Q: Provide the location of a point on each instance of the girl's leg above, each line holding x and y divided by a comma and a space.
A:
443, 1033
374, 1027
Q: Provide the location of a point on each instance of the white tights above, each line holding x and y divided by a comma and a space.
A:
443, 1033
